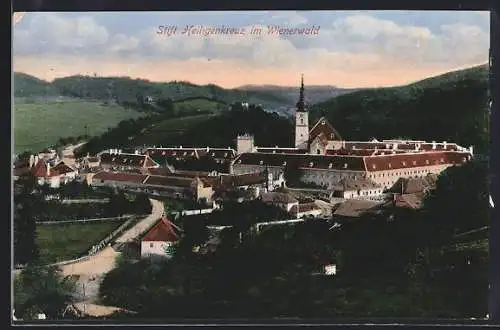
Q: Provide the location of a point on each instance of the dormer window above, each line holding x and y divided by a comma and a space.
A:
390, 165
164, 153
427, 161
441, 160
125, 160
261, 162
239, 161
225, 154
323, 122
404, 163
374, 166
113, 159
311, 164
414, 162
185, 153
330, 165
284, 163
212, 154
345, 165
174, 153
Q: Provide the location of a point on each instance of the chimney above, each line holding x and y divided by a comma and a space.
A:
433, 145
48, 169
208, 149
180, 147
471, 150
395, 146
445, 144
35, 160
32, 160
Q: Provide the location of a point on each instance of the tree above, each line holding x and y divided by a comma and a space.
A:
42, 290
26, 207
460, 201
292, 173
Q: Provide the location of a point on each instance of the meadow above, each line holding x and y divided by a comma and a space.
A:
39, 125
58, 242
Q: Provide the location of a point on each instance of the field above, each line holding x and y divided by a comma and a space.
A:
67, 241
38, 125
160, 132
199, 104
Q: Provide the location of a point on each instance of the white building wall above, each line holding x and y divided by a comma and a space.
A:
388, 178
301, 129
155, 249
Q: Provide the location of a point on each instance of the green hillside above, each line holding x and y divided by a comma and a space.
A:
124, 89
39, 125
449, 107
198, 130
28, 86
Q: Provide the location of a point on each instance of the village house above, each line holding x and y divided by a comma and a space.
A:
306, 210
54, 176
353, 209
89, 162
357, 188
157, 241
169, 186
281, 200
118, 161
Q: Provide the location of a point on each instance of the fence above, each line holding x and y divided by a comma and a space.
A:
193, 212
90, 220
96, 248
84, 201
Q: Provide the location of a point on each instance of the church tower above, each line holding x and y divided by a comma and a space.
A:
301, 121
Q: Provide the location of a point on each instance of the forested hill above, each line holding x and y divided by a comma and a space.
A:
28, 86
128, 90
448, 107
314, 94
221, 130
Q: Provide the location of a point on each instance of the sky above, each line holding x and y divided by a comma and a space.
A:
349, 49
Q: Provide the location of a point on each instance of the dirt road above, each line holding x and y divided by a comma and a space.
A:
92, 269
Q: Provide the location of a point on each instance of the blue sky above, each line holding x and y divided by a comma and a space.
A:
350, 49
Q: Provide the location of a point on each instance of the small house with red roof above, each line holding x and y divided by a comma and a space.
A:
52, 175
157, 241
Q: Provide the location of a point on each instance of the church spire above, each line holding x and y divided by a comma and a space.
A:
301, 102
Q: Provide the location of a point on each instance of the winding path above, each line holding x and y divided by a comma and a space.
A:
91, 270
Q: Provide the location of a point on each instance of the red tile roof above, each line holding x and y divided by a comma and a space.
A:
159, 171
218, 153
411, 201
324, 127
168, 181
120, 177
354, 208
127, 160
163, 231
414, 185
410, 160
39, 169
62, 168
281, 150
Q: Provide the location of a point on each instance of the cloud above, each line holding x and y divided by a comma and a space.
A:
356, 41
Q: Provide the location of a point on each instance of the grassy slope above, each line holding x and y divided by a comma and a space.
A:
38, 125
449, 107
60, 242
